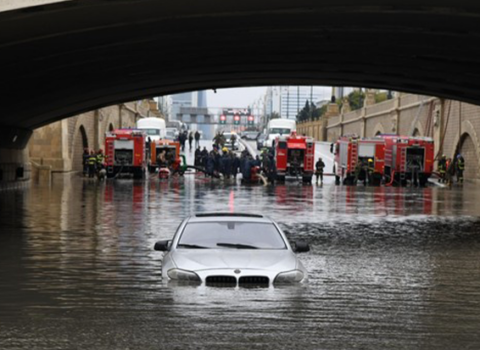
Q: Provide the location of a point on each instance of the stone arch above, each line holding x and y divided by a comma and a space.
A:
467, 148
79, 144
110, 127
378, 130
418, 130
467, 144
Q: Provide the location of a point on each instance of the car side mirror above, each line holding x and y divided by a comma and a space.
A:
162, 246
301, 247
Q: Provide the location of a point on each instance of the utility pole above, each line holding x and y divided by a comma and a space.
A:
298, 99
288, 101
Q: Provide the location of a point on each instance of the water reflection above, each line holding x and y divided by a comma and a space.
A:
389, 267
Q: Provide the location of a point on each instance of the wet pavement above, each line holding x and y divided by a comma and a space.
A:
390, 268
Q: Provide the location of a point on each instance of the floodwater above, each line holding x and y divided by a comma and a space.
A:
389, 268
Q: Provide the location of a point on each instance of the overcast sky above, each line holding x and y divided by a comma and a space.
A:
236, 97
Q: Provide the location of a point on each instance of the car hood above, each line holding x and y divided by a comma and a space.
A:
196, 260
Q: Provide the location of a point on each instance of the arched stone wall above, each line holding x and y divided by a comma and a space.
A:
378, 130
79, 144
467, 144
418, 130
468, 150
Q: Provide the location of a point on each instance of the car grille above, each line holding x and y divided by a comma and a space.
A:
221, 281
254, 281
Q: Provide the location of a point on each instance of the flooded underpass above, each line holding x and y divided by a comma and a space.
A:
389, 268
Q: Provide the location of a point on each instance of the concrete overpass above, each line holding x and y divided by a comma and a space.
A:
61, 59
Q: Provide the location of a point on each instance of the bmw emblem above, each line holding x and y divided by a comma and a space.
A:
237, 271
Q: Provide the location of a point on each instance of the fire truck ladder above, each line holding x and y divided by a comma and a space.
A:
109, 152
354, 159
309, 161
403, 160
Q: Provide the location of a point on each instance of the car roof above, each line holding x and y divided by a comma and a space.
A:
220, 216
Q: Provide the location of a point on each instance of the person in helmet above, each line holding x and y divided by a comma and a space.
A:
370, 170
442, 169
460, 167
319, 166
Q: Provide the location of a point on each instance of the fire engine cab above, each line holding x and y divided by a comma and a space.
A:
295, 156
408, 159
358, 159
126, 152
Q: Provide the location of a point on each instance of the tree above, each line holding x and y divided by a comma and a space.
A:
319, 112
305, 113
355, 99
311, 112
381, 96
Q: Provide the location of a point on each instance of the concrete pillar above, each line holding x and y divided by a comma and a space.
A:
15, 168
438, 125
346, 106
332, 110
395, 115
363, 125
369, 98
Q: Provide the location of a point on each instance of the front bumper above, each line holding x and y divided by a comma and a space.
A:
240, 277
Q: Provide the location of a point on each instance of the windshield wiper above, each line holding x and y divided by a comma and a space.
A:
238, 246
192, 246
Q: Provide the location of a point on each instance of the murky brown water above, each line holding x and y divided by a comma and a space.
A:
389, 268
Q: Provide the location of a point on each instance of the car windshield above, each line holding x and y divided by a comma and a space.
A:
231, 235
282, 131
152, 132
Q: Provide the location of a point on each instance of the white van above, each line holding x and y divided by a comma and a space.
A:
278, 127
155, 128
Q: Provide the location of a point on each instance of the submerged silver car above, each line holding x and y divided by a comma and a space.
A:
231, 249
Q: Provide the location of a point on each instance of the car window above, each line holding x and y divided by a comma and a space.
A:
219, 234
152, 132
282, 131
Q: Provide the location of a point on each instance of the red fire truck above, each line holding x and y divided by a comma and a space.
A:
126, 152
359, 159
408, 159
172, 153
295, 156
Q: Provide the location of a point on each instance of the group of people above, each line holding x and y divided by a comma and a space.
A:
93, 162
190, 136
227, 164
217, 162
449, 168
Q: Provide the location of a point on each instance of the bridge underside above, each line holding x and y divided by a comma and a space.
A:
62, 59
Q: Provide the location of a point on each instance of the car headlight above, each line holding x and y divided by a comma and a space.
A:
183, 275
289, 277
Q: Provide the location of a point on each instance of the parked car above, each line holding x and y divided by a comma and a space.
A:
250, 135
228, 141
234, 249
260, 141
171, 134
